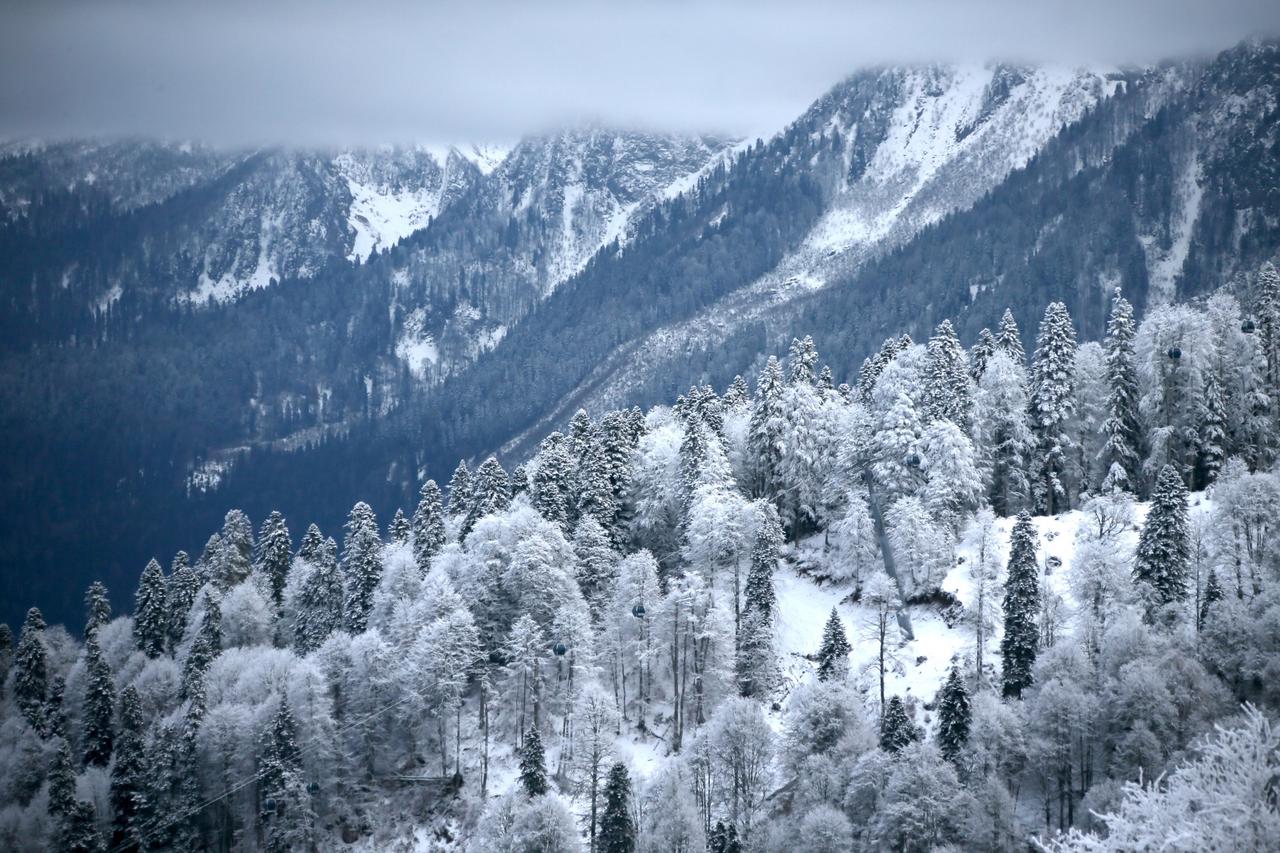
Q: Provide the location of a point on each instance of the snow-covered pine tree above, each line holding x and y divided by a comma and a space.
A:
206, 646
428, 526
6, 656
551, 487
826, 381
616, 445
1212, 433
693, 451
490, 493
1268, 310
833, 655
62, 780
519, 480
1163, 557
595, 490
1052, 403
723, 839
235, 556
75, 821
312, 543
460, 490
764, 433
150, 611
129, 774
895, 447
1212, 594
980, 353
98, 735
954, 716
398, 530
737, 394
802, 359
1009, 338
180, 594
55, 708
948, 391
1123, 426
873, 366
617, 830
361, 565
1003, 432
31, 670
1020, 644
953, 485
97, 608
597, 564
275, 554
756, 667
286, 815
321, 600
896, 728
533, 764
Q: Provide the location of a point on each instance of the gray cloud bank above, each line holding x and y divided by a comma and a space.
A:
320, 72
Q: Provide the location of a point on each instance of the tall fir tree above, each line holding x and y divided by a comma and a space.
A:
205, 647
1268, 311
551, 486
428, 526
55, 708
873, 366
361, 565
6, 655
62, 780
321, 600
1020, 644
150, 611
460, 490
764, 435
756, 667
1212, 595
398, 530
895, 449
129, 775
97, 607
1123, 426
896, 729
31, 671
723, 839
1211, 435
275, 555
980, 353
1052, 404
533, 764
595, 490
1164, 546
617, 830
954, 716
490, 493
1009, 338
737, 394
803, 361
311, 545
235, 556
99, 706
948, 390
287, 817
181, 590
833, 655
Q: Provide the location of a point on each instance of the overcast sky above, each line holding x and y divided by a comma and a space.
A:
318, 72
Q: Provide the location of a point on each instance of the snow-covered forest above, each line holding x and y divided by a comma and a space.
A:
975, 599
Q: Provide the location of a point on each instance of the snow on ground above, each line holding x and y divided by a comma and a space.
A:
382, 216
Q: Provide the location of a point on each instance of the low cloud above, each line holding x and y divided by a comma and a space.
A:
339, 73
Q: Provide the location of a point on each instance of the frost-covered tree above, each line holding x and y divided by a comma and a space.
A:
737, 394
922, 547
205, 646
742, 750
1003, 432
954, 716
129, 774
597, 564
180, 594
1123, 426
150, 611
764, 437
921, 804
617, 830
460, 490
595, 487
880, 594
895, 449
399, 530
1052, 405
275, 555
1162, 559
980, 354
551, 486
97, 608
320, 602
948, 388
1211, 439
1009, 338
983, 570
896, 728
953, 483
233, 559
757, 666
361, 565
871, 369
287, 816
533, 764
99, 706
490, 493
428, 525
1268, 310
853, 535
833, 654
1020, 643
31, 670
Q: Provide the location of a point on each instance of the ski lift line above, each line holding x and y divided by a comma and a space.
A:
241, 785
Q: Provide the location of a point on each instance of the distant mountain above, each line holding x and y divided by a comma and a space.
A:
434, 304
